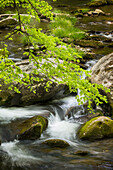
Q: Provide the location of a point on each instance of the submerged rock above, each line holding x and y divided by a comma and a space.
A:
97, 128
102, 73
32, 128
82, 153
56, 143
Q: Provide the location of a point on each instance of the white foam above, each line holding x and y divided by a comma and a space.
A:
61, 129
8, 114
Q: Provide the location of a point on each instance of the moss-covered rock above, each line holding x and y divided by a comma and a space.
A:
32, 128
89, 43
96, 128
95, 3
56, 143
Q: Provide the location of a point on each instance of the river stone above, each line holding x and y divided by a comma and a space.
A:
82, 153
56, 143
102, 73
31, 128
89, 43
97, 3
28, 97
98, 12
97, 128
100, 3
7, 22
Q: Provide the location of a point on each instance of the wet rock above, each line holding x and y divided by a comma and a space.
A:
73, 110
102, 73
89, 55
31, 128
78, 14
56, 143
96, 128
82, 153
7, 22
86, 117
99, 12
87, 12
90, 43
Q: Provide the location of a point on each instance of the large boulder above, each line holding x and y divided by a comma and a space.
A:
102, 73
97, 128
27, 97
31, 128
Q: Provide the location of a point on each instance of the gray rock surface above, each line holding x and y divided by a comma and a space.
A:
102, 73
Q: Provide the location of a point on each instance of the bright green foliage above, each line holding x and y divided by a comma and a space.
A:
64, 26
58, 61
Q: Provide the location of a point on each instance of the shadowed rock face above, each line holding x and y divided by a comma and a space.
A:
102, 73
96, 128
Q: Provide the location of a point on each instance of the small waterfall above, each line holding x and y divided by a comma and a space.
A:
61, 129
24, 155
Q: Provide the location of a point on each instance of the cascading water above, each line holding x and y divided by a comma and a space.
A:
32, 155
25, 154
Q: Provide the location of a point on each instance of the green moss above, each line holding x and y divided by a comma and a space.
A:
97, 3
32, 128
96, 128
64, 26
82, 10
100, 3
89, 43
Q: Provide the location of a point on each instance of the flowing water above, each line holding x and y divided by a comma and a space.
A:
33, 155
